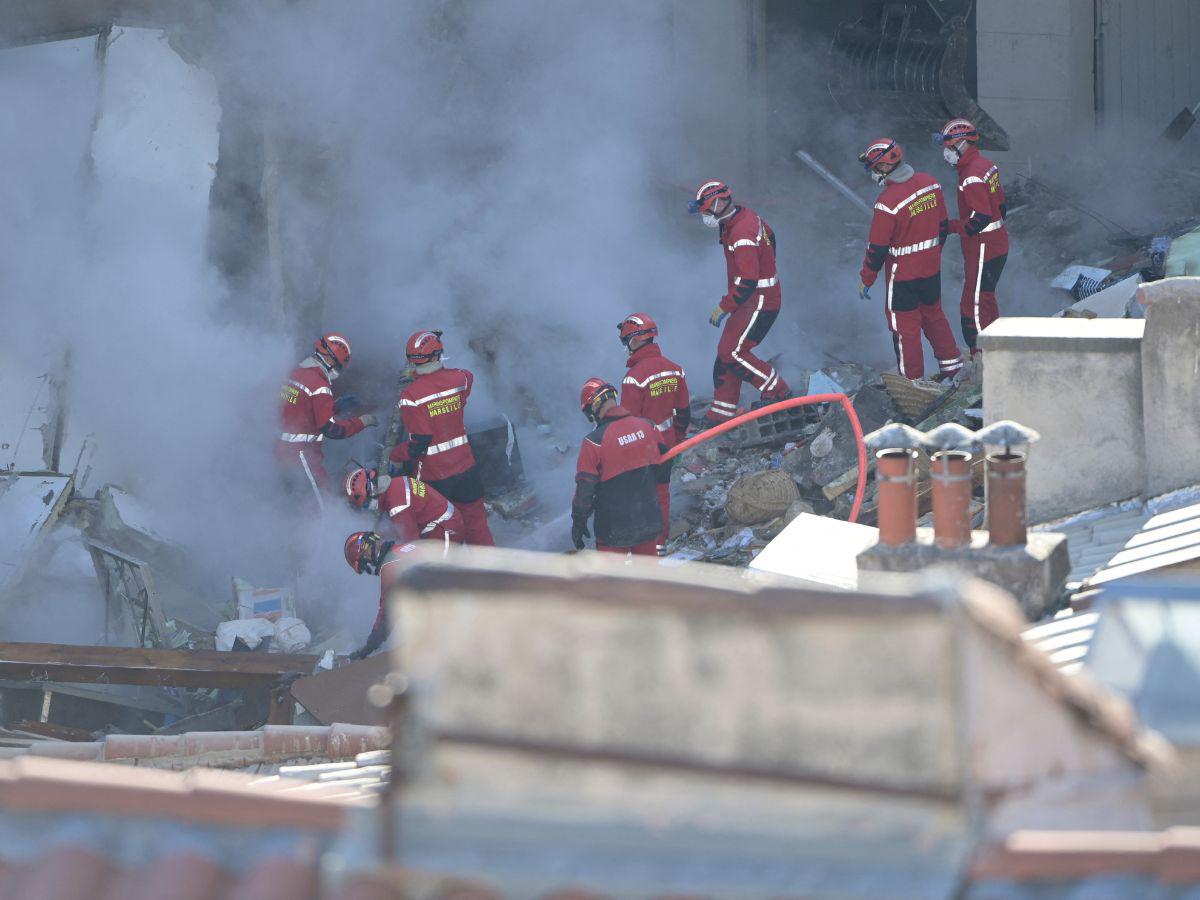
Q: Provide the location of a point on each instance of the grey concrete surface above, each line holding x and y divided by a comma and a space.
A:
1079, 383
1171, 383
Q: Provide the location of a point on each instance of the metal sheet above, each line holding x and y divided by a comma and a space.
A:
29, 506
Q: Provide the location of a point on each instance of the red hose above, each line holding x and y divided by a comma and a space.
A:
789, 404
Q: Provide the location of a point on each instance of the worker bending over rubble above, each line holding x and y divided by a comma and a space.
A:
656, 389
617, 478
369, 553
415, 509
908, 229
437, 452
751, 302
307, 418
980, 225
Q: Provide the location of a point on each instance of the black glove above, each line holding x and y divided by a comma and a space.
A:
358, 654
579, 531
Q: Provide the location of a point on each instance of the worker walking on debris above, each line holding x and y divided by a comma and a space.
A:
437, 452
617, 477
908, 229
750, 305
980, 225
369, 553
656, 389
307, 417
415, 509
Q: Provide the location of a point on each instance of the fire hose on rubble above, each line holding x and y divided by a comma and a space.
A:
779, 407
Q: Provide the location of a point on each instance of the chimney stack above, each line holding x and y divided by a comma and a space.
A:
1007, 445
896, 473
950, 449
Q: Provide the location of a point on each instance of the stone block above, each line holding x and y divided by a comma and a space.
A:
1033, 574
1171, 383
1079, 383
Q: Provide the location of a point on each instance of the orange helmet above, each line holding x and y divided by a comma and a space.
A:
358, 487
334, 350
708, 196
959, 130
636, 325
595, 392
424, 346
362, 551
883, 151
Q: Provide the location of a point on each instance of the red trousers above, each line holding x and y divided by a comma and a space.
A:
645, 548
913, 307
982, 265
475, 523
744, 330
664, 503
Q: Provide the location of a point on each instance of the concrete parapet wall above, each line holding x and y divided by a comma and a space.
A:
1079, 383
1171, 383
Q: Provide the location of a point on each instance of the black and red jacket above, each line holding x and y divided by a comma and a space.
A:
656, 389
981, 204
749, 245
620, 467
908, 229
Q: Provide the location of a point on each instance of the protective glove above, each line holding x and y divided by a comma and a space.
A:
864, 291
579, 531
717, 316
358, 654
369, 419
345, 404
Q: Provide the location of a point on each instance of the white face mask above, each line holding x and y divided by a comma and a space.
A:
879, 178
333, 374
710, 220
951, 155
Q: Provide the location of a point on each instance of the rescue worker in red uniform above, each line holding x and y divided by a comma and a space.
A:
415, 509
980, 226
751, 302
656, 389
307, 417
908, 229
437, 452
617, 478
369, 553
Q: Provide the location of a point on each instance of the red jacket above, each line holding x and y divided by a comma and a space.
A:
617, 479
414, 508
656, 389
981, 204
306, 416
432, 408
749, 245
908, 230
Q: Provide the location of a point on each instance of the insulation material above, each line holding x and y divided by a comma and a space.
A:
291, 635
252, 632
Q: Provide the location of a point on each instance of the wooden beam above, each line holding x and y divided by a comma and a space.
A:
163, 668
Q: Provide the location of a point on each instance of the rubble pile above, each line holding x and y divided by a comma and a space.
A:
733, 494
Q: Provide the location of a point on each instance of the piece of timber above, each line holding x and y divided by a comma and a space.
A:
136, 665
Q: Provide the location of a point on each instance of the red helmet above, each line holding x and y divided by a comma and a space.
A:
636, 325
883, 151
709, 194
595, 392
959, 130
334, 350
362, 552
424, 346
358, 486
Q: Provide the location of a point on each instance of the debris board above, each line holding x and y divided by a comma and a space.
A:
135, 665
340, 695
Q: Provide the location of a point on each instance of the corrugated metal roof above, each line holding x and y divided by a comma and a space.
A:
1130, 538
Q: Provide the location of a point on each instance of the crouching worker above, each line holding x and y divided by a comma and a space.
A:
414, 508
369, 553
616, 480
